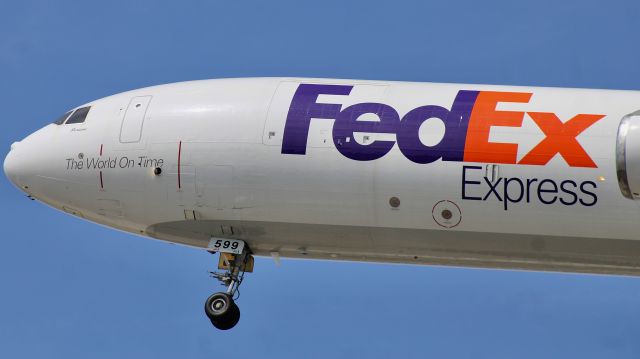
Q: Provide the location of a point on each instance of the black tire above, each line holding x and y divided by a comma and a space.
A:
229, 321
222, 311
218, 305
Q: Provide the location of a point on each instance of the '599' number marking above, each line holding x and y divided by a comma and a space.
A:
219, 243
235, 246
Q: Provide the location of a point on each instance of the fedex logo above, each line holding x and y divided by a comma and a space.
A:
467, 126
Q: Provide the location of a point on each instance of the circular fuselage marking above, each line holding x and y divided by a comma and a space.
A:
447, 214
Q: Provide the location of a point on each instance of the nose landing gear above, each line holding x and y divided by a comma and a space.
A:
220, 307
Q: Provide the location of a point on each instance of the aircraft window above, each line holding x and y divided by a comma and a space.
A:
79, 116
61, 119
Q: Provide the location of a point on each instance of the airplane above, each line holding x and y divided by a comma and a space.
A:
526, 178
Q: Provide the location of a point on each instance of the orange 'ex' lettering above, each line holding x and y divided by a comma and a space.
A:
560, 137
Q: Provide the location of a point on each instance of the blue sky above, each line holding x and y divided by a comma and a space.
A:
71, 289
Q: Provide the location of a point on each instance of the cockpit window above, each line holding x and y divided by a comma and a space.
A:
60, 120
79, 116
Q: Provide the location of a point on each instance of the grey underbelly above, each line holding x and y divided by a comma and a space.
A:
414, 246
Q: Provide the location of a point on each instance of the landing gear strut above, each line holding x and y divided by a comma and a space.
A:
220, 307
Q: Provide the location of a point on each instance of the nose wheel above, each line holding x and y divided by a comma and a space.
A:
221, 308
222, 311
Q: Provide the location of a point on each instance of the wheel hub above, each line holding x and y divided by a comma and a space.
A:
218, 304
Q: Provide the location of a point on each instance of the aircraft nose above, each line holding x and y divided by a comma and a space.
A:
15, 168
11, 169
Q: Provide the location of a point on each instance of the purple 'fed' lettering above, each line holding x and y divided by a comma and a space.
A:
304, 107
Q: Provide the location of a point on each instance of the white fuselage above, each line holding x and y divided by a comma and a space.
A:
471, 175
